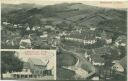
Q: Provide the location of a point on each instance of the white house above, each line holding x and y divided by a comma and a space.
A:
25, 43
118, 67
92, 28
49, 27
121, 65
117, 44
15, 26
96, 78
28, 28
7, 75
121, 41
97, 37
6, 23
109, 41
89, 41
44, 36
33, 29
123, 44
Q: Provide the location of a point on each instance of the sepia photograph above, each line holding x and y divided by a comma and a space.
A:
28, 65
89, 37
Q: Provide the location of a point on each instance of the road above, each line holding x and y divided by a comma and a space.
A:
80, 72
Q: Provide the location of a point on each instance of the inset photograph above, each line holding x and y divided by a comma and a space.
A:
28, 65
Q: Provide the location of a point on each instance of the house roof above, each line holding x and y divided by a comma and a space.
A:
37, 61
122, 39
102, 50
48, 26
97, 58
25, 40
87, 35
123, 61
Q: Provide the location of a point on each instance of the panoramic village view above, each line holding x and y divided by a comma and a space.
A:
90, 41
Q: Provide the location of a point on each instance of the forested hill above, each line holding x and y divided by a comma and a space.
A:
80, 14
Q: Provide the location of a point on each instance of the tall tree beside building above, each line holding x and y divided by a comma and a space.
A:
10, 62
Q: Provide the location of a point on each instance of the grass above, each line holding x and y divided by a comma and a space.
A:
65, 74
66, 59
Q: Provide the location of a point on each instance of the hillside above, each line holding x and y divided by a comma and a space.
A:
77, 13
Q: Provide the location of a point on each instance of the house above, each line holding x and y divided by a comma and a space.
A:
44, 35
7, 75
28, 28
55, 42
6, 23
33, 68
92, 28
120, 65
89, 41
105, 36
49, 27
98, 37
94, 57
121, 41
33, 29
108, 40
15, 26
96, 78
86, 41
25, 43
63, 33
85, 37
37, 66
97, 60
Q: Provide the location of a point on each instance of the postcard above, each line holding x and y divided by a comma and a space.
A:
64, 40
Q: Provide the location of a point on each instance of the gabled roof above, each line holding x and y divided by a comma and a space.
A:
25, 40
123, 62
87, 35
37, 61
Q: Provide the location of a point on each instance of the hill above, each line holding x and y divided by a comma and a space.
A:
77, 13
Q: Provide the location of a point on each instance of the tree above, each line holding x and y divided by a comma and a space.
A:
34, 21
107, 66
9, 62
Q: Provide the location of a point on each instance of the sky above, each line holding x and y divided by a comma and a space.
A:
44, 55
101, 3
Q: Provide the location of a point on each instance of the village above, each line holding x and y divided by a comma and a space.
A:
101, 51
90, 42
96, 46
32, 38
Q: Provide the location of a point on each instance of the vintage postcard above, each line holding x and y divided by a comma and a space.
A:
89, 37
